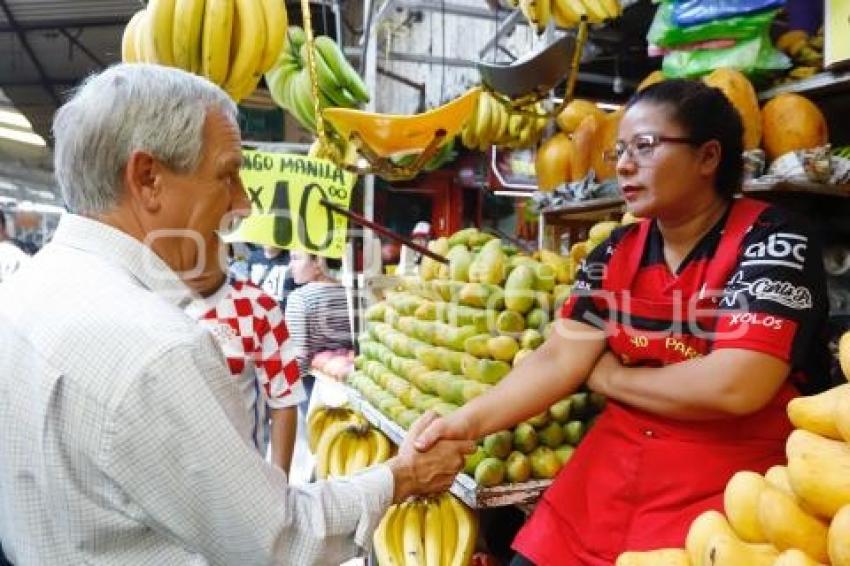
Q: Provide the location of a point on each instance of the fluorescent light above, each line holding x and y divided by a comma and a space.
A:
23, 137
16, 119
609, 106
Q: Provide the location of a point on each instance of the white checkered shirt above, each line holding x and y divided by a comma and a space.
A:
122, 436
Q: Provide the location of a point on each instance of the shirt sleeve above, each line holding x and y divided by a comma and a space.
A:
296, 323
586, 303
173, 451
775, 301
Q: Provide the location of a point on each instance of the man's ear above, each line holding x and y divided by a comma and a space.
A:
141, 180
710, 157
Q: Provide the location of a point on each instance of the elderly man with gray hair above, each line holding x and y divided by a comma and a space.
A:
122, 436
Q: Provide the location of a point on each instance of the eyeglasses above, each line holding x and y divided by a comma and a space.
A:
641, 148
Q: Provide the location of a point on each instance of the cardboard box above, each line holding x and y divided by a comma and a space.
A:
836, 52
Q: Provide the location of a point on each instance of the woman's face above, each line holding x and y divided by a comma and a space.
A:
669, 178
304, 269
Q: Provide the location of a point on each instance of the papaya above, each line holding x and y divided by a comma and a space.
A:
819, 470
817, 413
794, 557
787, 526
792, 122
727, 550
552, 162
606, 138
574, 112
741, 504
838, 539
660, 557
740, 92
585, 139
706, 526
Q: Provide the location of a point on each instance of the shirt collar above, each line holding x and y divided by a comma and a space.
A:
124, 251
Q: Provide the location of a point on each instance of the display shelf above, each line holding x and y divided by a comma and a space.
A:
585, 207
822, 84
757, 188
464, 487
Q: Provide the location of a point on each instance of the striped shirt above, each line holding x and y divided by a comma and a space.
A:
317, 319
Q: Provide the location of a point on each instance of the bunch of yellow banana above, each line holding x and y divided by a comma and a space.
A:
322, 417
346, 448
493, 123
230, 42
568, 13
289, 78
426, 532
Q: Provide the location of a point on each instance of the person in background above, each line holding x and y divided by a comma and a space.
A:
12, 257
123, 438
270, 271
316, 312
698, 324
248, 325
410, 259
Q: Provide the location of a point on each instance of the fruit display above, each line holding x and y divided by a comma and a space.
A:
335, 363
344, 442
230, 42
454, 331
566, 13
437, 530
806, 51
289, 79
493, 123
793, 515
740, 92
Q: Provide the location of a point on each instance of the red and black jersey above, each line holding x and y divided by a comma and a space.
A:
768, 295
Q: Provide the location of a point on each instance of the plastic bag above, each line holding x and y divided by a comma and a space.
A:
693, 12
665, 33
752, 57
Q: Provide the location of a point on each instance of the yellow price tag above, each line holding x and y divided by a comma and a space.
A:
285, 191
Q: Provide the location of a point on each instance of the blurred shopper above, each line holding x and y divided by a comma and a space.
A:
12, 257
317, 312
409, 261
123, 438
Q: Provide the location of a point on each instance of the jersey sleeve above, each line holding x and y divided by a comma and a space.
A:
276, 366
586, 302
775, 301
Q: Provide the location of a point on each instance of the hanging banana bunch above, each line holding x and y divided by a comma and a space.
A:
493, 123
230, 42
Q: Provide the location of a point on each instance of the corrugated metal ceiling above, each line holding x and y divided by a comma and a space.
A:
28, 12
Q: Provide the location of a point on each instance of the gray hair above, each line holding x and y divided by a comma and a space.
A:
126, 108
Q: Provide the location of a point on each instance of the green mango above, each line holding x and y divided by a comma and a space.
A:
517, 467
544, 464
518, 289
536, 318
477, 345
491, 371
544, 277
502, 348
490, 472
471, 461
462, 237
499, 444
530, 339
459, 261
510, 322
491, 263
525, 438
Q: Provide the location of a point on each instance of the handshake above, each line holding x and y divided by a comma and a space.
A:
429, 458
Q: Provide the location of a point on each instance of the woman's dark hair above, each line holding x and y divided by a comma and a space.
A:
706, 114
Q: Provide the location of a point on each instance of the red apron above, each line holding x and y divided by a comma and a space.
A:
638, 480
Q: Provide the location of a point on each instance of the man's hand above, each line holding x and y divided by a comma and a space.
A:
427, 472
602, 377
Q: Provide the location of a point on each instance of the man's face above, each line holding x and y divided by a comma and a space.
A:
200, 202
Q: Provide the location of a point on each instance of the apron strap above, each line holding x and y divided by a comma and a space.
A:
625, 261
743, 215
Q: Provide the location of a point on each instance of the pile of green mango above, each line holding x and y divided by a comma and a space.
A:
455, 330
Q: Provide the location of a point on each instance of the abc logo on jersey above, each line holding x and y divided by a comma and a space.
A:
785, 249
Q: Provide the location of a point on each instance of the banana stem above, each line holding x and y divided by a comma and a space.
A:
581, 39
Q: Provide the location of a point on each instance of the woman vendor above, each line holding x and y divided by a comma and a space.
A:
699, 323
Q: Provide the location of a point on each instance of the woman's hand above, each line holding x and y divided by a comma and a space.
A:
453, 427
602, 377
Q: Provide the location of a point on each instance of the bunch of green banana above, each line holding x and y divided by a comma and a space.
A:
426, 532
568, 13
230, 42
289, 78
493, 123
346, 448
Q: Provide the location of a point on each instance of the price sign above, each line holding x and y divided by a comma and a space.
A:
285, 191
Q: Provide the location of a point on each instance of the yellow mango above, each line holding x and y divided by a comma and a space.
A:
660, 557
844, 354
838, 539
741, 503
819, 470
842, 414
702, 530
728, 550
794, 557
787, 526
817, 413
